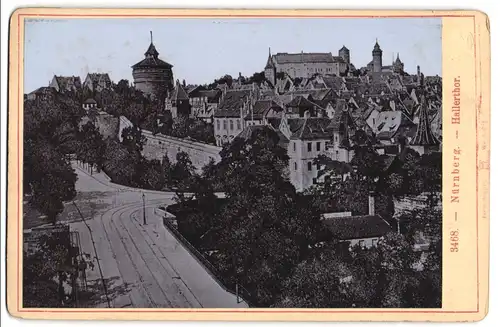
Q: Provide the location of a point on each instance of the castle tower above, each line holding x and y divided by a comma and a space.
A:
424, 140
152, 75
345, 54
270, 69
179, 101
398, 66
377, 58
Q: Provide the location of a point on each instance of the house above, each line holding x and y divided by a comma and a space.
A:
391, 126
89, 104
302, 106
308, 139
230, 113
66, 83
261, 111
177, 103
204, 102
97, 82
341, 128
40, 92
364, 230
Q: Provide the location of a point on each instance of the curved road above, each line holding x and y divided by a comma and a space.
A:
144, 266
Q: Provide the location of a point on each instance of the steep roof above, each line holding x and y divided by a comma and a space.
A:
309, 128
68, 81
424, 135
179, 93
300, 102
96, 77
296, 58
316, 94
269, 63
232, 102
151, 59
357, 227
261, 109
388, 123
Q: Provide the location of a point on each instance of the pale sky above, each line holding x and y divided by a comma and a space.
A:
202, 49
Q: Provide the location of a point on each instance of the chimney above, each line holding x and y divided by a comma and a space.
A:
371, 204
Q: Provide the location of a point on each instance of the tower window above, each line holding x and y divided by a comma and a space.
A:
294, 147
238, 124
224, 124
231, 126
295, 166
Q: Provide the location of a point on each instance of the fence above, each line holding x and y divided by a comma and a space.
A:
209, 267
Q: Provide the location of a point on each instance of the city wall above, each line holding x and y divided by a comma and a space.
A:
157, 145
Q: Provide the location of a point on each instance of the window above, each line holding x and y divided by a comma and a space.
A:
318, 166
231, 125
238, 124
336, 138
224, 124
362, 243
318, 146
337, 154
309, 166
294, 147
295, 165
314, 181
218, 125
309, 147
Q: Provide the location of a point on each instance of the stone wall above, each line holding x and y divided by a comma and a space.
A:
157, 145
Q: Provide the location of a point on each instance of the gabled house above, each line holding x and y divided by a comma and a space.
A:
230, 113
66, 83
97, 82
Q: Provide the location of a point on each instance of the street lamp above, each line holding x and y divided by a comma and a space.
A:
144, 208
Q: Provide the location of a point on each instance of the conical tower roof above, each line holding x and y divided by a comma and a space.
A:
151, 58
424, 135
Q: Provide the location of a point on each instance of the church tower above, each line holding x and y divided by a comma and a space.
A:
345, 54
424, 140
270, 69
377, 58
152, 75
398, 66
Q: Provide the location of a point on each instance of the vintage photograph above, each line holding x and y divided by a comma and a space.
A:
232, 163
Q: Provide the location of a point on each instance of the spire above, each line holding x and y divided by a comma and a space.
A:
269, 63
151, 52
424, 135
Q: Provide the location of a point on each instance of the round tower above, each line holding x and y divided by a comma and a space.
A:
345, 54
377, 58
152, 75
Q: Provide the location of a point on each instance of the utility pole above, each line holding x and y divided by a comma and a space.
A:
144, 208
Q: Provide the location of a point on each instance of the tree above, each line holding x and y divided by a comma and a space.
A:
49, 177
133, 139
317, 282
183, 171
180, 127
52, 264
151, 175
92, 146
267, 229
